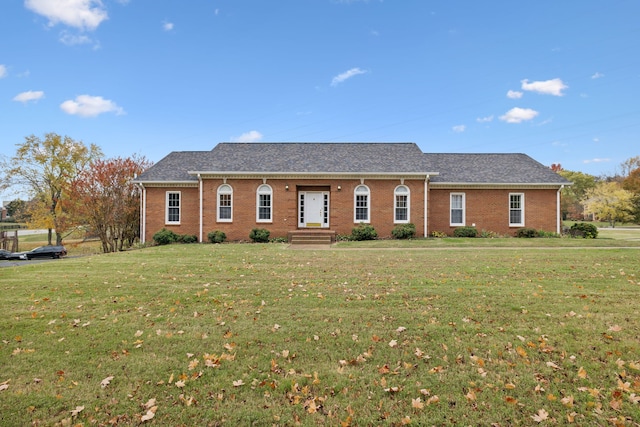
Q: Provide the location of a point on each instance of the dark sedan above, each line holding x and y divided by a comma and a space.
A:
45, 252
4, 254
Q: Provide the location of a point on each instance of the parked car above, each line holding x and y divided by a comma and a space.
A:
5, 254
45, 252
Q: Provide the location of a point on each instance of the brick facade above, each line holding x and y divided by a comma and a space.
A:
486, 209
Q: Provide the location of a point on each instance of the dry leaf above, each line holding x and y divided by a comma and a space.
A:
76, 411
238, 383
417, 403
393, 343
582, 373
540, 416
150, 403
105, 382
150, 414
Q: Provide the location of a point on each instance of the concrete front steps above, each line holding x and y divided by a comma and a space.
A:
311, 237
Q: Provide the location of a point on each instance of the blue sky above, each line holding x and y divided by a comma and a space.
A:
557, 80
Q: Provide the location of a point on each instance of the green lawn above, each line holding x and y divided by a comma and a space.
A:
261, 334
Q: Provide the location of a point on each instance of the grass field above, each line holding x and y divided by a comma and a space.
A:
261, 334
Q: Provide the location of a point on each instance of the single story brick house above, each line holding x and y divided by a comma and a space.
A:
292, 187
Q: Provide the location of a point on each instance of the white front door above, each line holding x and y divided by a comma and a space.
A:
313, 209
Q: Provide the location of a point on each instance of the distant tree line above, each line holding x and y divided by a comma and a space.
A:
613, 199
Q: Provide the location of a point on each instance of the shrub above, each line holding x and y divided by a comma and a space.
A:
439, 234
527, 233
187, 238
404, 231
165, 237
584, 229
259, 235
364, 232
278, 240
465, 232
542, 233
216, 236
487, 234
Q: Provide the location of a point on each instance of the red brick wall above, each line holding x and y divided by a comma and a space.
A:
285, 207
489, 210
156, 211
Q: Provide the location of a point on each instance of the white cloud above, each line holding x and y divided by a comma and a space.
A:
547, 87
514, 94
3, 71
597, 160
90, 106
484, 119
30, 95
73, 39
459, 128
81, 14
346, 75
518, 115
597, 76
167, 26
251, 136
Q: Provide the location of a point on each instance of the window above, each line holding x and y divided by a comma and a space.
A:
173, 207
457, 209
401, 205
516, 209
225, 198
361, 204
264, 209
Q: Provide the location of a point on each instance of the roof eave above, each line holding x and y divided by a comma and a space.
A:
319, 174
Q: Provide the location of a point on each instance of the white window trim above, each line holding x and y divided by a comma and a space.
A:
395, 205
166, 211
521, 209
218, 193
264, 189
464, 209
355, 206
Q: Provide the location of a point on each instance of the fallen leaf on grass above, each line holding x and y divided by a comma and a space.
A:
582, 373
105, 382
76, 411
238, 383
417, 403
540, 416
615, 328
553, 365
150, 403
150, 414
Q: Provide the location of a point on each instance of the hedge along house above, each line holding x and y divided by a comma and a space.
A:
293, 188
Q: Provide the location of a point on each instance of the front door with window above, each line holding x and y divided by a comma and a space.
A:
313, 209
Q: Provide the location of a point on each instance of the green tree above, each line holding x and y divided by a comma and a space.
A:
632, 184
572, 196
45, 167
608, 201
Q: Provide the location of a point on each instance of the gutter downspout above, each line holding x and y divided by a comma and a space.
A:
200, 207
426, 206
143, 212
559, 213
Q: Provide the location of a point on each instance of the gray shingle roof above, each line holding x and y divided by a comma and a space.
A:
510, 168
351, 158
289, 158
